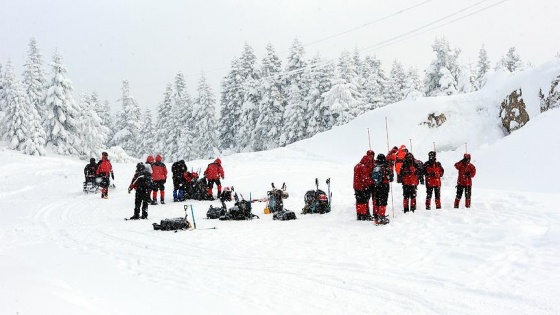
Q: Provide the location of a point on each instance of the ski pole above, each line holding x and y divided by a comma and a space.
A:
192, 213
390, 183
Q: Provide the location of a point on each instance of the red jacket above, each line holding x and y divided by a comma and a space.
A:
400, 158
190, 176
159, 171
214, 170
409, 175
434, 172
105, 167
362, 173
466, 173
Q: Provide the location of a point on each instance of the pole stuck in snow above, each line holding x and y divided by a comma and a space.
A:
390, 183
434, 146
368, 139
466, 148
410, 141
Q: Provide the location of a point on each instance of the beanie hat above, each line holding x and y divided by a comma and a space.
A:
158, 158
150, 159
140, 167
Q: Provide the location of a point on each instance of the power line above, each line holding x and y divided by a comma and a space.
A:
341, 33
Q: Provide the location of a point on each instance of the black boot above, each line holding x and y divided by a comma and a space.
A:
134, 217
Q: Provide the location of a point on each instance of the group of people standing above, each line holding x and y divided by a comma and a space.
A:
372, 178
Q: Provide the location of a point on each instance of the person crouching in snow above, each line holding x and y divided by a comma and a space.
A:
213, 173
159, 175
464, 180
142, 182
362, 186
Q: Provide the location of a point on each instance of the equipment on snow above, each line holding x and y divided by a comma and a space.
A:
317, 201
275, 205
242, 210
217, 212
174, 223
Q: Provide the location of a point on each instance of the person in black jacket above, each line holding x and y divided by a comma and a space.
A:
142, 182
89, 173
178, 169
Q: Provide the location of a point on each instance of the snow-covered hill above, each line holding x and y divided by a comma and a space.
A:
65, 252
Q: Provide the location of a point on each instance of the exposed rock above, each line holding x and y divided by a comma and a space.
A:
435, 121
513, 112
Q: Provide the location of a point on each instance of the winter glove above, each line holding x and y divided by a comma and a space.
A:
129, 190
422, 180
113, 176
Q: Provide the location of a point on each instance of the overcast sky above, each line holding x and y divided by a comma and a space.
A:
147, 42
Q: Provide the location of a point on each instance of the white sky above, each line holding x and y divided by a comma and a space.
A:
148, 42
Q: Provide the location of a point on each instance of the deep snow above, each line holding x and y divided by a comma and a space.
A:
66, 252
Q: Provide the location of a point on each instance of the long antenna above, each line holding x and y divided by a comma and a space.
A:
390, 183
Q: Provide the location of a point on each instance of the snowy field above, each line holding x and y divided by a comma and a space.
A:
66, 252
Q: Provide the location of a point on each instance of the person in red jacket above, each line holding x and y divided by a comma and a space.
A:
464, 181
409, 179
399, 160
104, 170
382, 189
213, 173
362, 186
433, 171
392, 157
159, 176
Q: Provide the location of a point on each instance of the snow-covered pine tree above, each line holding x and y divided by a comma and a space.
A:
348, 71
271, 106
446, 82
128, 135
511, 61
374, 82
466, 81
34, 79
483, 67
63, 125
21, 125
396, 84
107, 119
204, 114
164, 123
412, 87
94, 136
294, 119
230, 108
2, 92
445, 58
320, 76
250, 75
182, 110
340, 98
147, 141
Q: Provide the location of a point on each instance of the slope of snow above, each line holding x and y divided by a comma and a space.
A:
66, 252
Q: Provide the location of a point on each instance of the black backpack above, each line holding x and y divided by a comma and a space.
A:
173, 224
316, 201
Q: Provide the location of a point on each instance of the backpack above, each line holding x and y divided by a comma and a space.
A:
377, 175
146, 182
173, 224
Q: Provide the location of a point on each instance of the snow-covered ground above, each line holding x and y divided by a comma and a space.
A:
66, 252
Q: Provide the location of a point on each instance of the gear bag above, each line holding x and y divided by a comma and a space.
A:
173, 224
316, 201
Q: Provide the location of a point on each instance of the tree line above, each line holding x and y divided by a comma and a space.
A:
262, 104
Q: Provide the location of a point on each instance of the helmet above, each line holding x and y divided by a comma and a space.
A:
150, 159
158, 158
140, 167
92, 160
432, 155
381, 158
